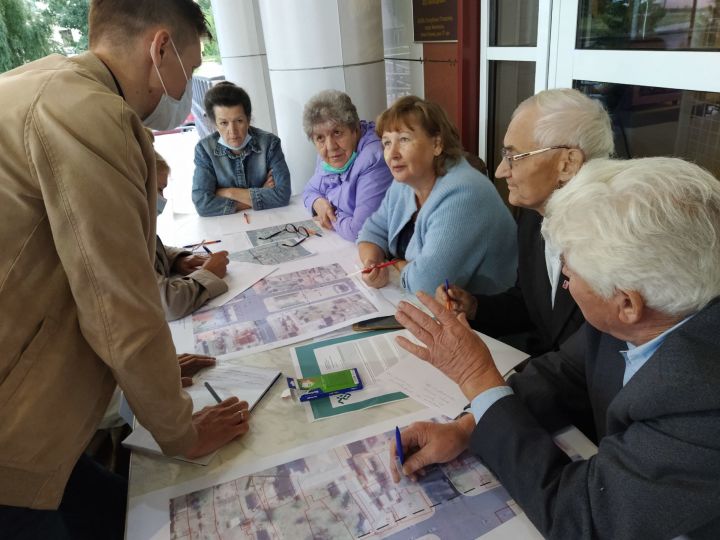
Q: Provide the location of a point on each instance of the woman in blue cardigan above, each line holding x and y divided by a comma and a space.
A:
441, 218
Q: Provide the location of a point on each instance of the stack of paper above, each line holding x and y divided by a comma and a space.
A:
245, 382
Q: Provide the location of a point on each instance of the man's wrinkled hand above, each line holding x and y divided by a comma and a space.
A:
427, 443
459, 299
450, 345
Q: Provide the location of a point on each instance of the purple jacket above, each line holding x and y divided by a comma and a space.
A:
357, 192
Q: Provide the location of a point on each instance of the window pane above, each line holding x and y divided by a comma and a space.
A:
403, 66
650, 121
510, 83
513, 23
649, 24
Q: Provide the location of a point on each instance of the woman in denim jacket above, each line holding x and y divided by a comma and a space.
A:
239, 166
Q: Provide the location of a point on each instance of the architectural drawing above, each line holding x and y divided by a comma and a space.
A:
346, 493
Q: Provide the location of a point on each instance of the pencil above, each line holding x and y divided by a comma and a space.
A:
212, 391
207, 250
447, 292
203, 243
375, 266
247, 218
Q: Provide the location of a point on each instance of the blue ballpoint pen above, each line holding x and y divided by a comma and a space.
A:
400, 456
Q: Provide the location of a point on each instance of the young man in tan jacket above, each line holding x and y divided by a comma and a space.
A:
79, 301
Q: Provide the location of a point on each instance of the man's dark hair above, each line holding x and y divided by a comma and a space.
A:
226, 94
119, 21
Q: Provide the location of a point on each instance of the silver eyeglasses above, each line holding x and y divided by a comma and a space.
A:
505, 153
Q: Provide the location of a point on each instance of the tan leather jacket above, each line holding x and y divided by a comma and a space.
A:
79, 303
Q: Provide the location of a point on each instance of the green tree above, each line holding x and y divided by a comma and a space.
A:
72, 14
25, 34
210, 48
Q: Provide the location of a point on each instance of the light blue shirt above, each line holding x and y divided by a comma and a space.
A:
463, 233
635, 358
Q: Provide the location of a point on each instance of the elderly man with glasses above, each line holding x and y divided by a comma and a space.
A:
551, 135
640, 241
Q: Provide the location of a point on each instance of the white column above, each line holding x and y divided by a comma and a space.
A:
242, 49
315, 45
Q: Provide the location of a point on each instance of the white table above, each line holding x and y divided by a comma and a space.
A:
277, 425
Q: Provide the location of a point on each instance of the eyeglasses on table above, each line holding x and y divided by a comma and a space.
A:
290, 228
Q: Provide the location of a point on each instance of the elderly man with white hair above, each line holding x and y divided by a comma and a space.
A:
551, 135
641, 246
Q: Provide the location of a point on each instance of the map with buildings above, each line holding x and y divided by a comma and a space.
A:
282, 307
346, 493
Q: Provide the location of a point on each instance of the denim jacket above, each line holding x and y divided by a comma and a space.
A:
217, 167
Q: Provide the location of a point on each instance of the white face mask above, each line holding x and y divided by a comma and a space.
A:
247, 140
170, 112
161, 202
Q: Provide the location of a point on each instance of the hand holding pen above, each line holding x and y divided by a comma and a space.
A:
218, 425
456, 299
426, 443
372, 267
216, 262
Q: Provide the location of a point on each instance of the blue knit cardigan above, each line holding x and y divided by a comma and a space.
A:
463, 233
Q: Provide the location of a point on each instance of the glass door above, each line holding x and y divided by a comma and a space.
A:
655, 64
513, 66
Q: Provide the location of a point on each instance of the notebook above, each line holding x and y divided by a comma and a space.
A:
248, 383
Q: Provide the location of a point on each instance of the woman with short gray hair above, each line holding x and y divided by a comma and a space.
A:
351, 176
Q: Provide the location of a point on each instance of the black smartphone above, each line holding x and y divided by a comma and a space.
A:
379, 323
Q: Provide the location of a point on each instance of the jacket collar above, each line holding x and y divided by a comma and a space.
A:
253, 146
97, 69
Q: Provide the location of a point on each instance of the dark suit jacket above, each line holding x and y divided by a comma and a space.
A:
526, 306
657, 470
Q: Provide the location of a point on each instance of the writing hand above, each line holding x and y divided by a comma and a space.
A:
460, 300
217, 263
426, 443
218, 425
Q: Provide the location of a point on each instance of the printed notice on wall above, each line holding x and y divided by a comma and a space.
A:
435, 20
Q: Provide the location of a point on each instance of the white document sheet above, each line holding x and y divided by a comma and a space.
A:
240, 277
371, 355
428, 385
227, 378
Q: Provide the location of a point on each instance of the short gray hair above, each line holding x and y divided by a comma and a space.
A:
330, 106
649, 225
569, 117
